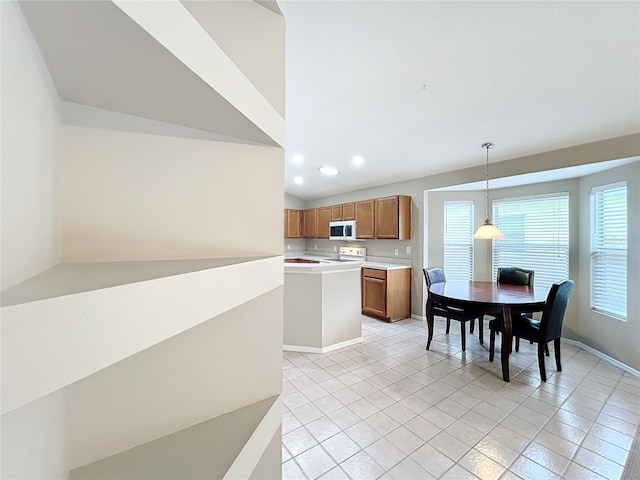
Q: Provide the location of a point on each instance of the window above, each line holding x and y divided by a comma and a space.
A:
536, 236
458, 244
609, 249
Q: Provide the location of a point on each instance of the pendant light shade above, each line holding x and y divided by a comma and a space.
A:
487, 231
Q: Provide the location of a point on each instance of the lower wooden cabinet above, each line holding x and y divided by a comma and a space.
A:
386, 294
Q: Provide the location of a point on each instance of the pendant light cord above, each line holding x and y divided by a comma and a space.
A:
487, 146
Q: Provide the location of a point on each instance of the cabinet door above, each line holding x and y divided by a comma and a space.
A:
393, 217
374, 297
293, 223
365, 220
336, 213
310, 223
348, 211
387, 217
324, 216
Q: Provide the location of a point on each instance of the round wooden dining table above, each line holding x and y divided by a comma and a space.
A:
489, 298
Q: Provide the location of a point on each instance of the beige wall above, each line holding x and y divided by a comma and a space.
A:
131, 196
30, 109
617, 338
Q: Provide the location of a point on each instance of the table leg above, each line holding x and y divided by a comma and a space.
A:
429, 314
507, 340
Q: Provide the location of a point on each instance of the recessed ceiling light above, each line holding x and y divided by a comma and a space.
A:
357, 161
298, 159
298, 180
325, 170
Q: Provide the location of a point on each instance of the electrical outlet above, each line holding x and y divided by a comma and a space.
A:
395, 252
288, 246
315, 247
335, 249
408, 248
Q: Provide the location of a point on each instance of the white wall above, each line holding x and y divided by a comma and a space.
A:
131, 196
617, 338
117, 195
35, 439
251, 35
30, 108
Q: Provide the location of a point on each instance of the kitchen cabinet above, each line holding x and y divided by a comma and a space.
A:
336, 213
323, 217
393, 217
293, 223
348, 211
310, 222
365, 219
386, 294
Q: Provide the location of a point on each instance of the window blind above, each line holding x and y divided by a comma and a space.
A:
458, 244
536, 236
609, 249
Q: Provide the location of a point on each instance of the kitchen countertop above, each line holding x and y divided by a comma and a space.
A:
330, 264
385, 266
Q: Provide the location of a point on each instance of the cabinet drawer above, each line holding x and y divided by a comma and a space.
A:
374, 273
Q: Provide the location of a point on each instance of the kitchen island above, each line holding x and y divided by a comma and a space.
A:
322, 310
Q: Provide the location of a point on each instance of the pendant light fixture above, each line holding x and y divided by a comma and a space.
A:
487, 231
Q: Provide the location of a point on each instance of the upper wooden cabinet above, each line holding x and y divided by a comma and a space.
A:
348, 211
310, 223
293, 223
393, 217
323, 218
365, 219
336, 213
379, 218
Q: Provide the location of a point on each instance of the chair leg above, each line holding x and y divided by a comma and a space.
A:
481, 328
448, 325
472, 325
492, 344
556, 348
543, 372
546, 349
517, 344
463, 336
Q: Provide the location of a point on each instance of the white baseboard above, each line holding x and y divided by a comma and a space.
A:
330, 348
601, 355
419, 317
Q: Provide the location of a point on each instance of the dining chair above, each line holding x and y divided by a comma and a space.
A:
515, 276
542, 331
512, 276
436, 275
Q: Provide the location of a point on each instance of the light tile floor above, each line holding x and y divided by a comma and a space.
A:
389, 409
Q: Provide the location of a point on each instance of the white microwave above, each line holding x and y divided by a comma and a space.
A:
344, 230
